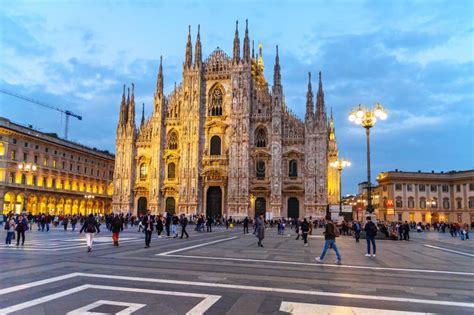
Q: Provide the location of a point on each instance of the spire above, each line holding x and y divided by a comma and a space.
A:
236, 56
309, 99
246, 43
131, 107
320, 110
276, 71
253, 51
198, 49
142, 123
123, 109
189, 51
159, 79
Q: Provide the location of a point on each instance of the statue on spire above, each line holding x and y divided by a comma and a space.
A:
189, 50
236, 55
198, 49
246, 43
309, 100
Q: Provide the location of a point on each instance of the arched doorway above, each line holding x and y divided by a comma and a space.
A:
142, 205
293, 207
170, 205
214, 202
260, 207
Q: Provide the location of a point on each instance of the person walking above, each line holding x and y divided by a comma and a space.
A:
167, 224
184, 223
370, 232
10, 227
297, 228
159, 225
148, 223
260, 229
305, 227
65, 222
330, 234
356, 228
116, 226
73, 223
90, 227
21, 228
246, 225
174, 225
209, 224
406, 231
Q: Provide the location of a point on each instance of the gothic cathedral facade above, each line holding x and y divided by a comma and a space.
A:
223, 143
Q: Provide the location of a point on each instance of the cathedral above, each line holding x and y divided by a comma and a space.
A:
225, 143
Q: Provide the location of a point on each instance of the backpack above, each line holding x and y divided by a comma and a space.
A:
336, 230
7, 225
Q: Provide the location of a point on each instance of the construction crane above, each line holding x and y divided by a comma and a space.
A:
66, 112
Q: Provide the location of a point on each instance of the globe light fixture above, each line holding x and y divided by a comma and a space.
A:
367, 118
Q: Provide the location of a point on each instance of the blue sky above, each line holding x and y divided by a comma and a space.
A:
414, 57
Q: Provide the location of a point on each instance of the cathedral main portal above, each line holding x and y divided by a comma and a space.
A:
214, 202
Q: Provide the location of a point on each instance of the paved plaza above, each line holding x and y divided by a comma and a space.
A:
224, 272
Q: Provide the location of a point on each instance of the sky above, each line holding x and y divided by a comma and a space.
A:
414, 57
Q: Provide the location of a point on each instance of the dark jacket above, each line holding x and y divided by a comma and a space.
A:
90, 225
117, 225
329, 232
370, 229
148, 222
184, 222
305, 227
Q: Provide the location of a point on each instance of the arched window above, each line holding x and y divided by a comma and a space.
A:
260, 138
171, 171
471, 203
458, 203
445, 203
293, 168
172, 141
434, 203
143, 171
411, 202
423, 203
215, 145
260, 169
398, 202
216, 101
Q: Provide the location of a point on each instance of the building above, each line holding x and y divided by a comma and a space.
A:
53, 175
426, 197
225, 143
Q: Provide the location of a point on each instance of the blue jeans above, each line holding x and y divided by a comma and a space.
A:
370, 239
326, 246
173, 230
9, 237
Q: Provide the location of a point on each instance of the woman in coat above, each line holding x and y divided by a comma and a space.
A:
260, 229
91, 226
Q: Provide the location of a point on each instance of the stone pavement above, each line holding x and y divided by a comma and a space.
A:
224, 272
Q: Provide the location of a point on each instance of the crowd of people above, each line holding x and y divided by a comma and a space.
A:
167, 225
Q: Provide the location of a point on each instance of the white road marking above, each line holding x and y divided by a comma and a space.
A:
196, 246
200, 308
296, 263
237, 287
449, 250
131, 307
320, 309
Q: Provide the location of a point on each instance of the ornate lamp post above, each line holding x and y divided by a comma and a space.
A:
340, 164
367, 118
26, 168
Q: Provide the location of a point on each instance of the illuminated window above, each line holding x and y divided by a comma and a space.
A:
398, 202
215, 108
2, 149
54, 163
171, 171
13, 155
143, 171
260, 138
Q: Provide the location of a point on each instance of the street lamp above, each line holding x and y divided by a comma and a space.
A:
367, 118
26, 168
88, 197
340, 164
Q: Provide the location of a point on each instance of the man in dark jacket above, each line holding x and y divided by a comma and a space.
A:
184, 223
117, 227
246, 225
406, 231
305, 231
329, 239
148, 222
370, 233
